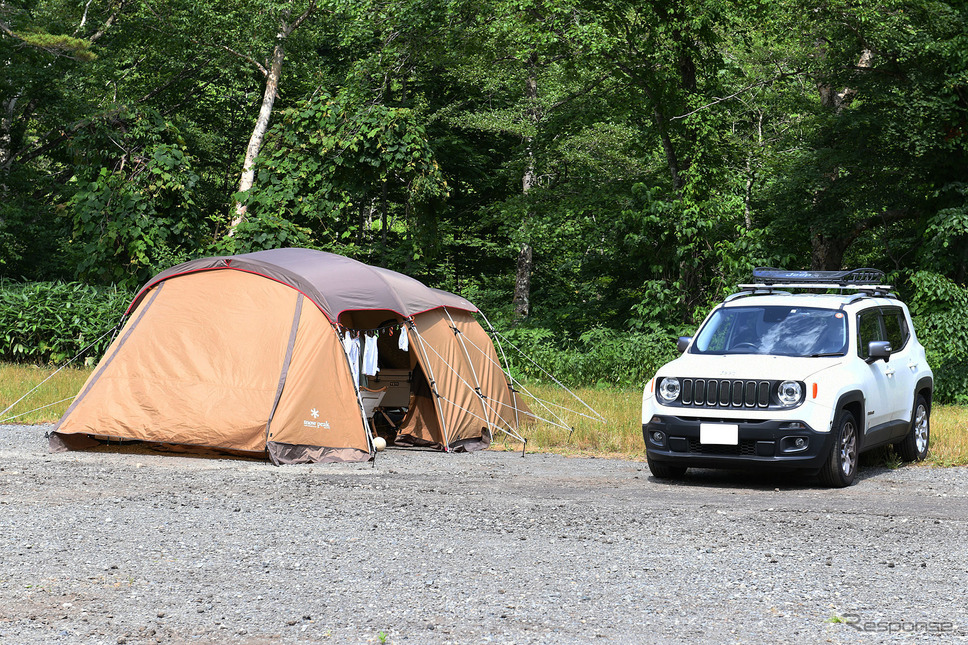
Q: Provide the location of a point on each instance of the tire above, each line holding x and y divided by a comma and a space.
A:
664, 470
841, 466
914, 446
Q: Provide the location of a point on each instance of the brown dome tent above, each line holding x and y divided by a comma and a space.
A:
246, 354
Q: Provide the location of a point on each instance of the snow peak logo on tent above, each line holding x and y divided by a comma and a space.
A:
314, 413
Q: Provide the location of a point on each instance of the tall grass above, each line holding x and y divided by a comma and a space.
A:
47, 403
949, 435
619, 435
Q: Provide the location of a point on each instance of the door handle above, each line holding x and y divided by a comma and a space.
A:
889, 372
913, 366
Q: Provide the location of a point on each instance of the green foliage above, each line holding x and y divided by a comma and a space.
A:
342, 169
77, 48
649, 154
138, 209
939, 308
52, 322
599, 356
264, 232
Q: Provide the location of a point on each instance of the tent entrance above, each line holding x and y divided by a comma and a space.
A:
404, 412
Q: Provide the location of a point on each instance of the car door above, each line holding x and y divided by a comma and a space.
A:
878, 386
902, 363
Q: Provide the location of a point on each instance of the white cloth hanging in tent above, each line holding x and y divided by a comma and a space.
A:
403, 343
370, 355
351, 346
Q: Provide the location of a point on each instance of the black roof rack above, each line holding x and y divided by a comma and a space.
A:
853, 277
870, 282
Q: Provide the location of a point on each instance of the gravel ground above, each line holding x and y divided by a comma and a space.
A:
423, 547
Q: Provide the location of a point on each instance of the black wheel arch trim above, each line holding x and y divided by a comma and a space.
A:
925, 384
854, 396
848, 398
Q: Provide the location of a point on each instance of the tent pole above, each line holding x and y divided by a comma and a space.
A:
359, 398
433, 382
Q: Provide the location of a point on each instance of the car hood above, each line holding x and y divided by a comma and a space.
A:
747, 366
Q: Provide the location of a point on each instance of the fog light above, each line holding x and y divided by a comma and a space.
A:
658, 437
794, 444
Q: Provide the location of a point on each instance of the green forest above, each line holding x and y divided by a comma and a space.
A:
593, 175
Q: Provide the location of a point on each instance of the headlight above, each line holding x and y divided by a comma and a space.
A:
669, 389
789, 392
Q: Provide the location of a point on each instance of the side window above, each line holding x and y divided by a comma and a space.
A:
896, 328
868, 329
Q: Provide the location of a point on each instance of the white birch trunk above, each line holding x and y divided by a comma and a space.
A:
273, 74
525, 264
259, 132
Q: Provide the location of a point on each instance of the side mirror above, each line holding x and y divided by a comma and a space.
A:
683, 343
878, 349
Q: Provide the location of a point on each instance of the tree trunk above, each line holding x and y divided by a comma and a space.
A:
7, 108
273, 74
522, 282
827, 252
525, 264
259, 132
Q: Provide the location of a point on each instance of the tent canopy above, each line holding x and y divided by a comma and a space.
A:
335, 283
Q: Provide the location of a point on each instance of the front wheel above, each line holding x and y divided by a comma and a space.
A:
664, 470
914, 446
841, 466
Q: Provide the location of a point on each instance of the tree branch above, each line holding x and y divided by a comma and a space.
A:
244, 57
763, 83
300, 19
585, 90
107, 23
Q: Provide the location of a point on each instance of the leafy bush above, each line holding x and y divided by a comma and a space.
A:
940, 311
52, 322
599, 356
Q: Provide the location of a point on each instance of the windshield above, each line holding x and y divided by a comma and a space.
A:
779, 331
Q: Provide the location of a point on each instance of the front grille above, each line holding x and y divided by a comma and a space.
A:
725, 393
746, 448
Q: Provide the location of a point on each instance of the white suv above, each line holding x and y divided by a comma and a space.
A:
805, 380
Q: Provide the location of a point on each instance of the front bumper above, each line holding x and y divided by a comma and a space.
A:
769, 444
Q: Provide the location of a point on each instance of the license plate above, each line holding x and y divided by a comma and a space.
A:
723, 434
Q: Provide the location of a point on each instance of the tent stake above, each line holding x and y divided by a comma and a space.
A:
524, 446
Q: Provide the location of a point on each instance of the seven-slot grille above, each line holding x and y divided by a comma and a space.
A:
725, 393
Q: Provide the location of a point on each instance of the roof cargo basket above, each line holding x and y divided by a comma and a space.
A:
854, 277
868, 282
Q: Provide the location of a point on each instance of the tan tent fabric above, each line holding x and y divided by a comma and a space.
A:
244, 354
462, 413
189, 372
420, 426
487, 366
318, 398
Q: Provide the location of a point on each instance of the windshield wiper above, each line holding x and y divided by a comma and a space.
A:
823, 354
